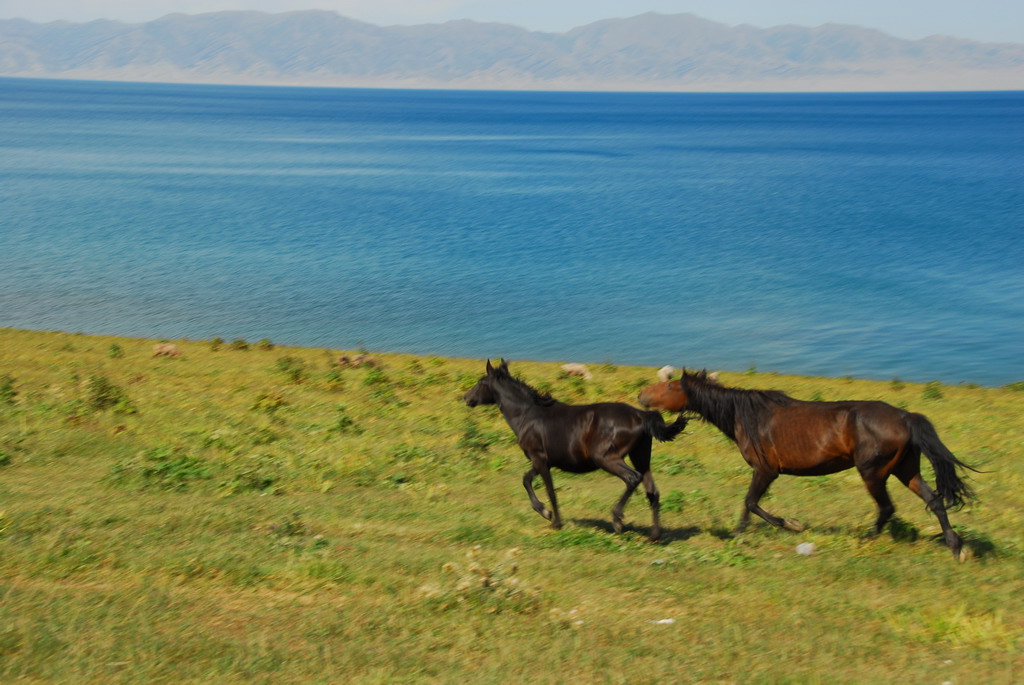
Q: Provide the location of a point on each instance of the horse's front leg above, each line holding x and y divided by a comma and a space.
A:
758, 486
553, 515
537, 505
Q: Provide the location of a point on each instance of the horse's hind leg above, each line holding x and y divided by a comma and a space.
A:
877, 490
909, 473
631, 478
654, 499
640, 455
758, 486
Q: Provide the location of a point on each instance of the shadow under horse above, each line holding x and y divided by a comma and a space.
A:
778, 434
577, 438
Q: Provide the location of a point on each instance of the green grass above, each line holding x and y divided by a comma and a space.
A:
254, 513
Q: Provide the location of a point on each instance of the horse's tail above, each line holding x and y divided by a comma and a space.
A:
952, 489
656, 426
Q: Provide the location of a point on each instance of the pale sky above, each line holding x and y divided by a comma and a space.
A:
985, 20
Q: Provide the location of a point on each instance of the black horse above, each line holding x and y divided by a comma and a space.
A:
577, 438
778, 434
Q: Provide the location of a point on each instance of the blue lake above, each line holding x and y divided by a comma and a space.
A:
873, 235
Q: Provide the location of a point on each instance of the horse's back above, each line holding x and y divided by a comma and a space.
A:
823, 437
575, 437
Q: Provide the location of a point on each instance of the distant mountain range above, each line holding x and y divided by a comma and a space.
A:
647, 52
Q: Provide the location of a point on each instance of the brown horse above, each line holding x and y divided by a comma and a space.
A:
577, 438
778, 434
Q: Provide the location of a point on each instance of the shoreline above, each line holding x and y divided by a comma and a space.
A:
750, 372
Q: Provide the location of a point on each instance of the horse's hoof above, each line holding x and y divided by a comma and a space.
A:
546, 513
556, 525
617, 526
960, 556
795, 526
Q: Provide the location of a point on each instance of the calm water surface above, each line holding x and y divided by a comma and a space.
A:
875, 235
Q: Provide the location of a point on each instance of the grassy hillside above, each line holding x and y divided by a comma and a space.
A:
263, 515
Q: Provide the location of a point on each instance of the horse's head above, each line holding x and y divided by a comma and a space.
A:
668, 396
483, 391
674, 395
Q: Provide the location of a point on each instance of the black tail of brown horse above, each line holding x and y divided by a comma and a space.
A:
656, 426
953, 490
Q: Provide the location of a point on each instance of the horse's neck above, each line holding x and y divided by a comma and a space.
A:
717, 407
517, 408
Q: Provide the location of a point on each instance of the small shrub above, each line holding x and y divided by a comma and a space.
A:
328, 570
5, 459
217, 439
292, 368
115, 351
374, 376
581, 537
635, 385
406, 453
493, 588
333, 380
7, 391
472, 532
166, 468
676, 500
397, 479
255, 474
265, 344
473, 439
432, 378
544, 387
102, 394
264, 436
731, 554
343, 423
897, 384
932, 391
239, 345
674, 465
216, 344
269, 403
386, 396
1017, 386
415, 367
577, 385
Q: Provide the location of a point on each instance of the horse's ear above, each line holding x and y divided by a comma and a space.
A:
490, 369
504, 365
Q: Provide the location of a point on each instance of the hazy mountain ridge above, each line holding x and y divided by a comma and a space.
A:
646, 52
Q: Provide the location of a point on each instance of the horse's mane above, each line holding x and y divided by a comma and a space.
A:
539, 398
724, 407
